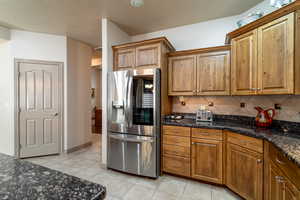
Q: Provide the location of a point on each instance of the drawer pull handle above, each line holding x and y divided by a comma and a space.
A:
279, 161
279, 179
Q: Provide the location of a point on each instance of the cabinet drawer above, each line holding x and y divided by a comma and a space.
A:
177, 165
177, 130
290, 169
176, 140
207, 134
245, 141
176, 150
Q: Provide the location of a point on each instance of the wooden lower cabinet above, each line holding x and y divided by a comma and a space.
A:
251, 167
207, 160
244, 172
177, 165
278, 186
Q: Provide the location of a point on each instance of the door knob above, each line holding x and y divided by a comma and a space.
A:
55, 114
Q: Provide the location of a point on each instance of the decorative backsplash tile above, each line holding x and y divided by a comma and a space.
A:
230, 105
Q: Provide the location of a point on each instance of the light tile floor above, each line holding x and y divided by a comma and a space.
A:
86, 164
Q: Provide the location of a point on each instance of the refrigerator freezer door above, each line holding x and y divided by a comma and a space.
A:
132, 154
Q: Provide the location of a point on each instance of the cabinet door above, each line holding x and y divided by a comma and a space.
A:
290, 191
213, 73
124, 59
148, 56
274, 183
244, 172
182, 75
276, 56
207, 160
244, 64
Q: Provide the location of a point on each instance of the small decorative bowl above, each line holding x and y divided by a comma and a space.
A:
250, 18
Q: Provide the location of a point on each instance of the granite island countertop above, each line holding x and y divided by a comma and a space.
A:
23, 180
287, 142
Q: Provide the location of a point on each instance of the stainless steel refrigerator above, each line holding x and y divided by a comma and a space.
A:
134, 121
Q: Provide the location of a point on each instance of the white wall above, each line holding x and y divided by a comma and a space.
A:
4, 34
203, 34
6, 100
23, 45
111, 35
200, 35
79, 56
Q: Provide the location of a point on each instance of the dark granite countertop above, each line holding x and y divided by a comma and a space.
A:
20, 179
287, 142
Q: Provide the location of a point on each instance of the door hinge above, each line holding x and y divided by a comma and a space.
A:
19, 74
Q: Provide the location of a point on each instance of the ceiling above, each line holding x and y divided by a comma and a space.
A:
80, 19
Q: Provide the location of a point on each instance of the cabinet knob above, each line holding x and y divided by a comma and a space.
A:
259, 161
279, 161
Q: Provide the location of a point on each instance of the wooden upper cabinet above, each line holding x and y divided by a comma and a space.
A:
124, 59
244, 172
200, 72
142, 54
148, 56
207, 160
182, 75
244, 64
276, 56
213, 73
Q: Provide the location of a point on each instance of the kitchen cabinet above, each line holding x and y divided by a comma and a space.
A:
213, 73
207, 160
143, 55
176, 150
244, 169
199, 72
244, 64
279, 187
276, 56
282, 177
124, 59
182, 75
148, 56
264, 59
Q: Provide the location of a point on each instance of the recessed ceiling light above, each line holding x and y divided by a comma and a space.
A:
136, 3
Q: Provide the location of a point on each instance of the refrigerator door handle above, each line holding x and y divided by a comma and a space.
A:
128, 101
131, 139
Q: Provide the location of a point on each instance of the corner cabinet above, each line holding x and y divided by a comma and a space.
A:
263, 58
282, 177
200, 72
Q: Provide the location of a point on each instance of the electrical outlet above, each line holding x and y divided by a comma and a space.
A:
277, 106
242, 105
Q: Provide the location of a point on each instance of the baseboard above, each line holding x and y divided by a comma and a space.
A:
73, 149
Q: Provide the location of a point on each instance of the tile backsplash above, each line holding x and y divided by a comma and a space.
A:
230, 105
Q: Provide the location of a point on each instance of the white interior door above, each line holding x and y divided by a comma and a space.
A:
40, 104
